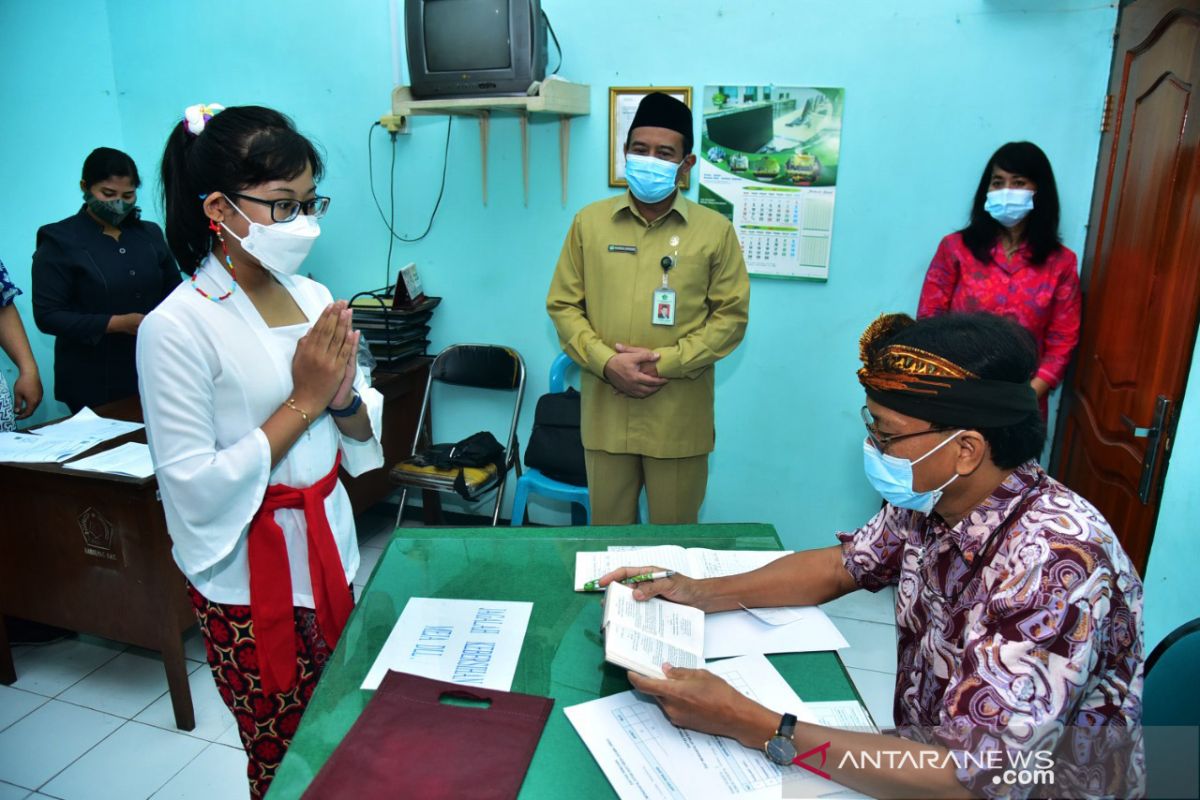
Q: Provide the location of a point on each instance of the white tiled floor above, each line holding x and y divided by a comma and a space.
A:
91, 719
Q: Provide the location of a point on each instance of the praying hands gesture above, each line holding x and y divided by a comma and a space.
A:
324, 365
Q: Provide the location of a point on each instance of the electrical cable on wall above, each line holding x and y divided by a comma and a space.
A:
557, 46
389, 220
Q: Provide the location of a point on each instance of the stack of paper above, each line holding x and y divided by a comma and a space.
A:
695, 562
131, 458
28, 448
62, 440
644, 756
728, 633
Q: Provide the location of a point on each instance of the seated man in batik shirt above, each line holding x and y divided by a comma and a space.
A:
1019, 615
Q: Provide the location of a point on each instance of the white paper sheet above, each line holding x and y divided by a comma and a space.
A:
695, 562
591, 565
90, 426
644, 756
472, 642
785, 615
28, 448
62, 440
131, 458
848, 715
708, 563
737, 633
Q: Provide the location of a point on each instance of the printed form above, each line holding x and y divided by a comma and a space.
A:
644, 756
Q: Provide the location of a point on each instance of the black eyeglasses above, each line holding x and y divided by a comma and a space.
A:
882, 442
287, 210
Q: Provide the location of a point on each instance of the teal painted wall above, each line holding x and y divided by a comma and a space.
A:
1171, 598
931, 89
56, 110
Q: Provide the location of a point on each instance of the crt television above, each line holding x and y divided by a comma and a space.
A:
474, 47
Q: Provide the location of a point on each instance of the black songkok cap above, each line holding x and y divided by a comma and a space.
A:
658, 110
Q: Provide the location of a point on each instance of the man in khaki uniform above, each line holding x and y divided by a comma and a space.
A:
649, 292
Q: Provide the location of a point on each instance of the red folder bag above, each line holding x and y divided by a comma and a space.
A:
409, 743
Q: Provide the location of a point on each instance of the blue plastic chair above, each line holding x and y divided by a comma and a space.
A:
534, 482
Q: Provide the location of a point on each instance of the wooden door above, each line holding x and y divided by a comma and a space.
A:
1141, 274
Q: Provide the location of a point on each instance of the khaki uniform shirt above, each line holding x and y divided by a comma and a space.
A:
600, 296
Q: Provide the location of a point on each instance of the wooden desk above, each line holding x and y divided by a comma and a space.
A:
90, 552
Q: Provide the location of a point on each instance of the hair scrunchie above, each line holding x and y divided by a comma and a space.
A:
196, 117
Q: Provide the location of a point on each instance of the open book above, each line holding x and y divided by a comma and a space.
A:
642, 635
695, 562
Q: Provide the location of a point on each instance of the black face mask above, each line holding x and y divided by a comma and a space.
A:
113, 212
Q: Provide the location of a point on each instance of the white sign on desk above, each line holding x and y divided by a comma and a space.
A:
472, 642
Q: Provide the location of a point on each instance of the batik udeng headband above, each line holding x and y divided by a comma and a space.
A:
927, 386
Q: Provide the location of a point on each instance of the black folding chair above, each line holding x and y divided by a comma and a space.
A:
479, 366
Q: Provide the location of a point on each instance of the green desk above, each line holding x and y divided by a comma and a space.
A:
562, 657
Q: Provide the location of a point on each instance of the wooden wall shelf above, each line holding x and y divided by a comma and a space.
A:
560, 98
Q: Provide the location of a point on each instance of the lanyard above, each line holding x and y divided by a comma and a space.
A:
667, 263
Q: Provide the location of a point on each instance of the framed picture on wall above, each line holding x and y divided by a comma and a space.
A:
622, 105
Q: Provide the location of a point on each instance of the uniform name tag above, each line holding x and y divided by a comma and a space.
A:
623, 248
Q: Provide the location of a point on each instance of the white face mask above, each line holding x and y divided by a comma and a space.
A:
281, 247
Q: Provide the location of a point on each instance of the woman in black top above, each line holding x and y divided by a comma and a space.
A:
95, 275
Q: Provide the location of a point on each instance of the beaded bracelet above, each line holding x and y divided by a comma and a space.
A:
291, 403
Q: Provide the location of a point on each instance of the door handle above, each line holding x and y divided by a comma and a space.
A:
1154, 439
1138, 433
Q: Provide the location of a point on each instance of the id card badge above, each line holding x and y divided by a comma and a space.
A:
663, 310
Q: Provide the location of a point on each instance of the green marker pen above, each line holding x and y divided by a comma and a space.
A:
649, 576
594, 586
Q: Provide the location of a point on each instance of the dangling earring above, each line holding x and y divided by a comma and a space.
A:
216, 229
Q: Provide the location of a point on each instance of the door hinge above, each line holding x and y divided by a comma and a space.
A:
1107, 114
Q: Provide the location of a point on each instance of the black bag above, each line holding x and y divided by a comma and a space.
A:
477, 450
555, 446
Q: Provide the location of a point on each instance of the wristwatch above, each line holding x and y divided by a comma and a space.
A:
348, 411
779, 748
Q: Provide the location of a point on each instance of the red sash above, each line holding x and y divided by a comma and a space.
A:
271, 580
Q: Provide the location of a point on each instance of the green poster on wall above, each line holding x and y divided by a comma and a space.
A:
769, 162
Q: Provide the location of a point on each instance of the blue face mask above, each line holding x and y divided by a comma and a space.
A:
651, 180
892, 477
1009, 206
